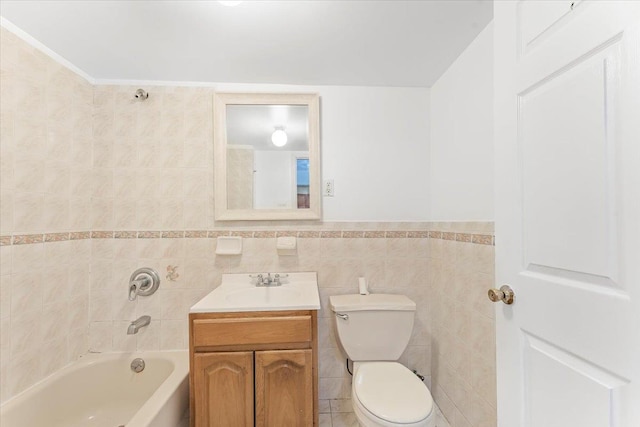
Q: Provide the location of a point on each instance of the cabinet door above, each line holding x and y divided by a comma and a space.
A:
284, 388
223, 387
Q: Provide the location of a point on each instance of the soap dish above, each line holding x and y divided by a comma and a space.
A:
229, 245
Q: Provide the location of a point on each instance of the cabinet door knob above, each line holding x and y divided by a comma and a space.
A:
504, 294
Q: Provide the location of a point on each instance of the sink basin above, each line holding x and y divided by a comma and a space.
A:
263, 296
238, 292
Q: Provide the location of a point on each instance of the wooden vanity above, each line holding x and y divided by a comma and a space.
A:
253, 368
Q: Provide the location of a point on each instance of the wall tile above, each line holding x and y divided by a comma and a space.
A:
463, 339
43, 191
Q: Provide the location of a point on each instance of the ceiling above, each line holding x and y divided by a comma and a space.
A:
370, 43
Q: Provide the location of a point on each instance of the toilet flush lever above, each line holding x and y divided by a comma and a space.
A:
343, 316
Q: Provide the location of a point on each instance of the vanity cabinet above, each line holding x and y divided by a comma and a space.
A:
284, 388
223, 382
254, 369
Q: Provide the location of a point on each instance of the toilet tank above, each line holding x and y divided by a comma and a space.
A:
374, 326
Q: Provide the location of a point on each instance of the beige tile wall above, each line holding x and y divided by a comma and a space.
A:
393, 265
463, 329
45, 186
46, 180
153, 159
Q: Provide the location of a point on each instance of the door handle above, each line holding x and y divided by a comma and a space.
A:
504, 294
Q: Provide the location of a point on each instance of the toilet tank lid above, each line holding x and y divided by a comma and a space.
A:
358, 302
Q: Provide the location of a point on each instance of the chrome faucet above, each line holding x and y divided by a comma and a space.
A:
137, 324
261, 280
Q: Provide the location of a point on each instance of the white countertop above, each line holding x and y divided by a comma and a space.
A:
238, 292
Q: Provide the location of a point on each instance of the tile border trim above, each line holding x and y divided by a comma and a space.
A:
26, 239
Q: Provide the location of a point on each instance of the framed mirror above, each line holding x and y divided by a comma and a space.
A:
266, 156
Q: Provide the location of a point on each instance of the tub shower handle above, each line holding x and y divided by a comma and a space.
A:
343, 316
144, 282
133, 292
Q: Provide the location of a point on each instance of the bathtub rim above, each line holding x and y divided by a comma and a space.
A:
146, 413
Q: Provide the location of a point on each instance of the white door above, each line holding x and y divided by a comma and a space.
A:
567, 116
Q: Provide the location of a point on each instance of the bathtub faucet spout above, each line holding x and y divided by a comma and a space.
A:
137, 324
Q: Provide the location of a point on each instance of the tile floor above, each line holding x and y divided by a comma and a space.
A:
339, 413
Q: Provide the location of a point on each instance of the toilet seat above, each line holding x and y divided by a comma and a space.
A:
388, 394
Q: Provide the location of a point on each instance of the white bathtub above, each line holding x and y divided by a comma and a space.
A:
101, 390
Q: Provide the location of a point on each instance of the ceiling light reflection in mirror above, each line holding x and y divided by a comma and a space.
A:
255, 125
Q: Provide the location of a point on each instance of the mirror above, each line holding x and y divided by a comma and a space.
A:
267, 156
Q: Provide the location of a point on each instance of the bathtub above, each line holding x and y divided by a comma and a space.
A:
101, 390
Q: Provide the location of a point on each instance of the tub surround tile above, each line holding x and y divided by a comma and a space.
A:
148, 338
22, 373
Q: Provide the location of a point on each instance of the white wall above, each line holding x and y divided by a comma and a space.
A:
375, 146
461, 170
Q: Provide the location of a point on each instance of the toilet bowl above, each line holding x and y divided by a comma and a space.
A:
387, 394
374, 331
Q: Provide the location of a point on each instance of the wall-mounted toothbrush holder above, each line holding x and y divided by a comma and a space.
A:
144, 282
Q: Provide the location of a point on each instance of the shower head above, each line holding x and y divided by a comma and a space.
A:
141, 95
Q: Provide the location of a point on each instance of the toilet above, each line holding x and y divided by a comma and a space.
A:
374, 331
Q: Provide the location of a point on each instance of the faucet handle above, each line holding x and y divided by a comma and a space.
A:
277, 278
259, 278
